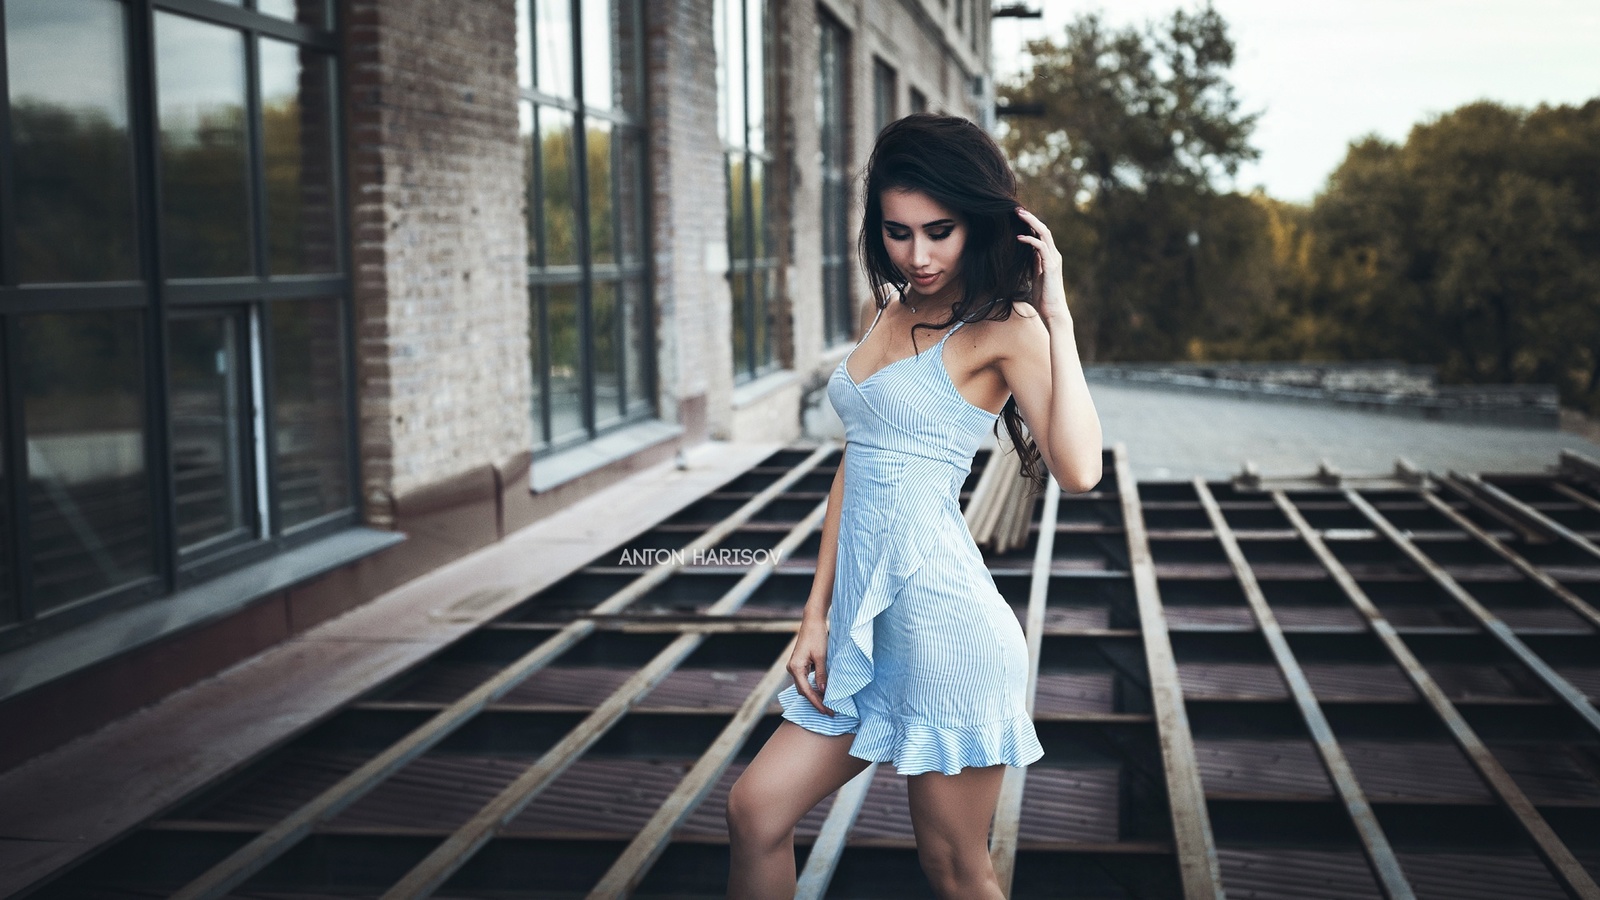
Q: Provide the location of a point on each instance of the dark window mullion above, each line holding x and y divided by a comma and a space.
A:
580, 170
619, 315
266, 349
255, 156
143, 103
8, 230
16, 474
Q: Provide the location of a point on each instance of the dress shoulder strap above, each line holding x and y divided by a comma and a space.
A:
874, 323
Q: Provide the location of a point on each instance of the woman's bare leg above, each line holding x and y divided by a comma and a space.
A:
793, 772
951, 815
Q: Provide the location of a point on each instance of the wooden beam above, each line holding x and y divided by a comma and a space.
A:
1487, 620
1191, 822
1374, 843
1549, 846
431, 873
1008, 810
623, 878
238, 866
1533, 516
823, 859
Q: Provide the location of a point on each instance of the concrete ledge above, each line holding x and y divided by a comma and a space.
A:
552, 471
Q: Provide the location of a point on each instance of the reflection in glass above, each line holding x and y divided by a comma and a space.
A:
524, 44
627, 49
530, 162
312, 13
756, 67
552, 33
738, 238
606, 355
631, 196
739, 294
602, 241
297, 149
637, 348
560, 202
72, 162
536, 333
210, 449
729, 27
308, 415
762, 243
204, 160
566, 362
831, 123
598, 52
88, 498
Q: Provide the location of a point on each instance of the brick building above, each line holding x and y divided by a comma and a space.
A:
302, 299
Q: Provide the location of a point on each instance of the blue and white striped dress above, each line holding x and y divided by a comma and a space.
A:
927, 664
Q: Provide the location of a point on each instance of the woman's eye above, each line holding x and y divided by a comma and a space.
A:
893, 236
942, 235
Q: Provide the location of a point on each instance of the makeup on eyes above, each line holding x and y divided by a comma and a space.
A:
899, 232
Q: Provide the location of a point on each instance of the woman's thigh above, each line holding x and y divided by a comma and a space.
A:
952, 813
794, 770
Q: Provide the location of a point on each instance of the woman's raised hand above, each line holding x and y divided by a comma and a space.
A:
811, 653
1049, 288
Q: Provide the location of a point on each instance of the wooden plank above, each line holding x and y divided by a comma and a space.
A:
1499, 548
273, 843
1576, 496
449, 856
1008, 809
1191, 822
1374, 843
823, 859
1549, 846
625, 874
1487, 620
1528, 513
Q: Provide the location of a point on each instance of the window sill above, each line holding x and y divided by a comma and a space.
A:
559, 468
116, 633
755, 390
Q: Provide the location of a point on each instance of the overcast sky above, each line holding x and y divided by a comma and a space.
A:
1324, 74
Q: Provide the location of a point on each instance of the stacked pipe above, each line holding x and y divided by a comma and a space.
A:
1000, 509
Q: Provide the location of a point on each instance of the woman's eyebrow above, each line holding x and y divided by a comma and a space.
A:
888, 222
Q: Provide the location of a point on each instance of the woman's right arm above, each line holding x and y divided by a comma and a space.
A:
811, 646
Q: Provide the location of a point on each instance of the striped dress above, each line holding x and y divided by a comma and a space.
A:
927, 664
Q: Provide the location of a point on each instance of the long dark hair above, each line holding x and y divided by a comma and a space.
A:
960, 166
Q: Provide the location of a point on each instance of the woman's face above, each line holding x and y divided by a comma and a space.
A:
924, 240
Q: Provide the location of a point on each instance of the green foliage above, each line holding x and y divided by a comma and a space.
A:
1139, 125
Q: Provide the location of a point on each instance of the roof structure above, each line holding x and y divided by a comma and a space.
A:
1265, 686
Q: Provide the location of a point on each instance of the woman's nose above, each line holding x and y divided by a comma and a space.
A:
919, 251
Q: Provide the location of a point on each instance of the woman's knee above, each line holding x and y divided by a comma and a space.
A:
954, 871
753, 818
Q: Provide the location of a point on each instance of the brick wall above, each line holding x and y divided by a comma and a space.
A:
438, 232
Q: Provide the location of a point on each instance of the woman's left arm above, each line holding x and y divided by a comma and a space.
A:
1059, 411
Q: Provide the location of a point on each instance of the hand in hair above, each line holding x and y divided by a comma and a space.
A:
1049, 289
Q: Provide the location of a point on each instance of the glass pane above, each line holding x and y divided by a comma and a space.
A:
559, 201
738, 239
761, 315
566, 378
536, 332
598, 55
311, 428
553, 46
530, 162
741, 337
756, 69
210, 445
607, 355
72, 160
83, 405
204, 162
524, 44
762, 247
632, 199
311, 13
602, 240
297, 149
637, 348
730, 71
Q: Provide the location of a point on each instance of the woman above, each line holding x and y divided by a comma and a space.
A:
907, 653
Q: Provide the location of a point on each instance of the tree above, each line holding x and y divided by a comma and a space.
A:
1139, 126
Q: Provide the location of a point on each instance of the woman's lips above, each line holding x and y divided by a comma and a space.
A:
925, 279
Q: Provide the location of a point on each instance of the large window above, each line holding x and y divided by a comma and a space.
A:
883, 94
833, 124
174, 369
580, 67
742, 85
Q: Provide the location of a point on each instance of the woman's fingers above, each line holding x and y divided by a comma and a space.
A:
1036, 223
799, 670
